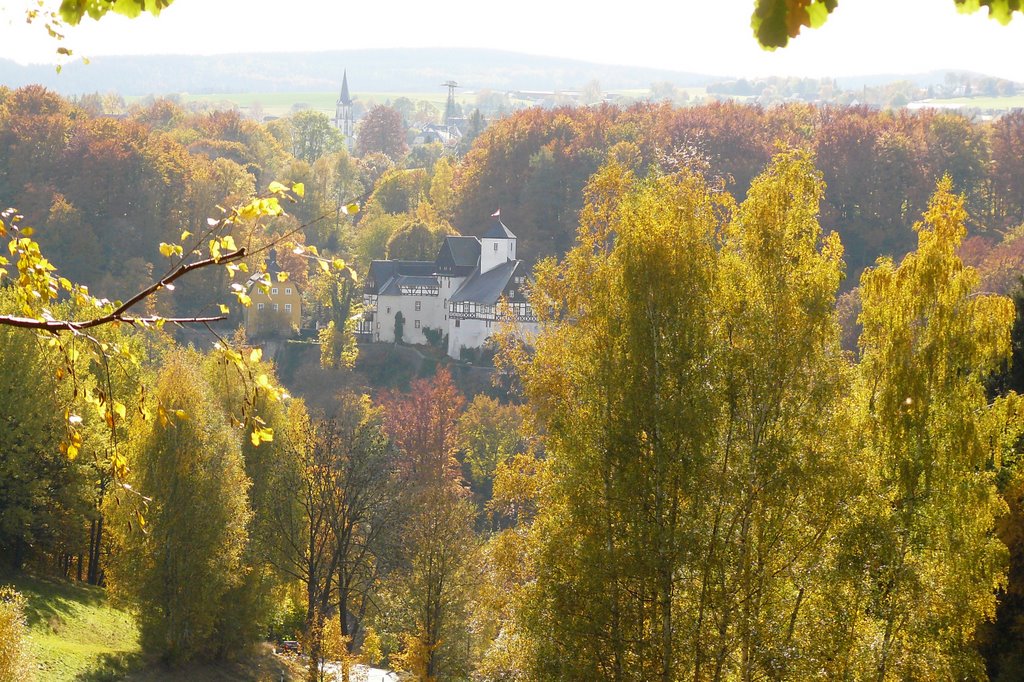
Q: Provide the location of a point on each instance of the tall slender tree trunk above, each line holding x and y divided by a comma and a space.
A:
95, 544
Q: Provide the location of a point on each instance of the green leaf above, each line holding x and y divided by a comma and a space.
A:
169, 250
817, 13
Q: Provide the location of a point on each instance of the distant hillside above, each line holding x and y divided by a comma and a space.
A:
921, 80
407, 70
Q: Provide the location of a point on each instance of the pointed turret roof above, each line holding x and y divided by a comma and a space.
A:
344, 98
497, 230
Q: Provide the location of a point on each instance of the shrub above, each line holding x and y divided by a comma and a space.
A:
14, 664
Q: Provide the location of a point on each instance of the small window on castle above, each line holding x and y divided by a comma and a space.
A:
259, 306
457, 321
419, 304
288, 291
495, 246
417, 324
273, 292
275, 308
287, 307
389, 310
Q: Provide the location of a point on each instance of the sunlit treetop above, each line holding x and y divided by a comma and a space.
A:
72, 11
776, 21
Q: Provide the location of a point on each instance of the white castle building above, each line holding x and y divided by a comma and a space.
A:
458, 294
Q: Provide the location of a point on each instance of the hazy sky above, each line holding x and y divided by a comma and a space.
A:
708, 36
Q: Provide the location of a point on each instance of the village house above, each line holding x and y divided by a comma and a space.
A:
276, 311
456, 296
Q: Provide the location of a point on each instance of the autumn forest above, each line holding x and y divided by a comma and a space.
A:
769, 429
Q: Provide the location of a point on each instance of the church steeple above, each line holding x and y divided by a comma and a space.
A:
344, 97
343, 112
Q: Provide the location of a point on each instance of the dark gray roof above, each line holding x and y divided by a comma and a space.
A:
497, 230
395, 284
382, 271
413, 281
458, 252
344, 97
487, 287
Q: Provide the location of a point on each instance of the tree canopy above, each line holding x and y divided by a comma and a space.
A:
776, 21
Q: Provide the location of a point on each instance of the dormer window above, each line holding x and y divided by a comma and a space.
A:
495, 246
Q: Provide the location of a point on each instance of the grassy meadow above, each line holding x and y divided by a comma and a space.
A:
75, 633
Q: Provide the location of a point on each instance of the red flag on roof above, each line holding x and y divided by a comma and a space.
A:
496, 213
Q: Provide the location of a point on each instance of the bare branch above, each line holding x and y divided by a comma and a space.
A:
119, 313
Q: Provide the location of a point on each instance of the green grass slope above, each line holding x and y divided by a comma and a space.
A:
74, 632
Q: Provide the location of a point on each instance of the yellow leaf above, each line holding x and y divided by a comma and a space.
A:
276, 187
338, 264
350, 209
185, 235
261, 435
256, 355
299, 189
228, 242
120, 409
282, 277
224, 309
250, 211
166, 250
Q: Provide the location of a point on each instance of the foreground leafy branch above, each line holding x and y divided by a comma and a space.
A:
38, 291
119, 314
774, 22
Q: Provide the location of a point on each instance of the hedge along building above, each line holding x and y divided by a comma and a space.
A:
458, 295
276, 311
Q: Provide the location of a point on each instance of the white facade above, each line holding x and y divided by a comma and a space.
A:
473, 332
431, 314
495, 252
459, 293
